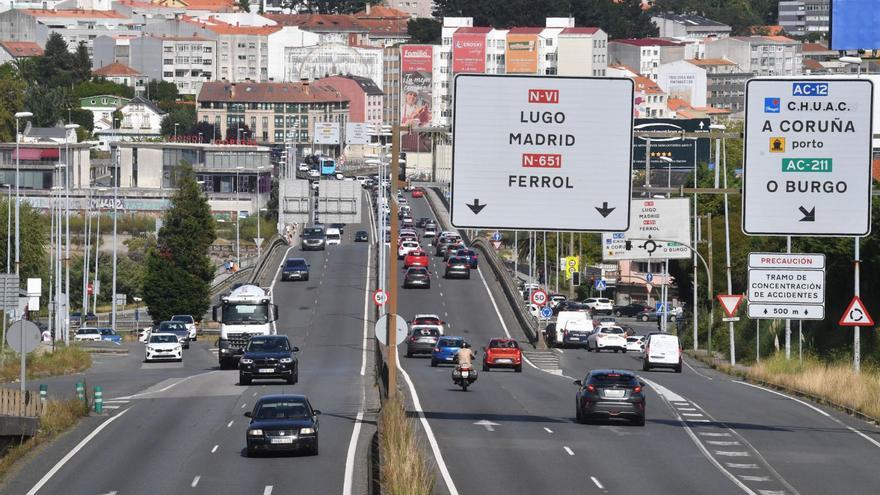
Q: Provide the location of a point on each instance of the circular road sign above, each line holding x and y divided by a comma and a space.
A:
382, 329
546, 312
539, 297
23, 336
380, 297
649, 277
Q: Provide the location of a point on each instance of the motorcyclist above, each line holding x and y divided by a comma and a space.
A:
465, 356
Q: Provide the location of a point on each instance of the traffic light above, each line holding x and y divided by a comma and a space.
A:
576, 279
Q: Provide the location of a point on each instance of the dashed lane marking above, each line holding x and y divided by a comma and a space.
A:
548, 430
596, 482
195, 482
215, 449
734, 465
229, 425
734, 453
568, 450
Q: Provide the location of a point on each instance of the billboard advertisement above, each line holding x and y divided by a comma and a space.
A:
681, 151
522, 54
326, 133
416, 82
469, 52
854, 25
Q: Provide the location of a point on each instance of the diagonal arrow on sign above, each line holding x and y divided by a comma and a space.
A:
730, 303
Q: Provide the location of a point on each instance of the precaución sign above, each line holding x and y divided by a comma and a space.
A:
532, 152
783, 285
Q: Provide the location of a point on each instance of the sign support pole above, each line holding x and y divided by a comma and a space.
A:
515, 254
557, 263
711, 287
857, 331
787, 321
696, 307
727, 254
758, 341
546, 273
571, 287
391, 264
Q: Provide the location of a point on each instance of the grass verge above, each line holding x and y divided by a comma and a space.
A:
834, 384
64, 361
59, 417
404, 469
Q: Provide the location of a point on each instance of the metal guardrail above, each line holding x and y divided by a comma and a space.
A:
274, 242
508, 286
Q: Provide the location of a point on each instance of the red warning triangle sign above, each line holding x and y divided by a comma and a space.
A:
856, 315
730, 303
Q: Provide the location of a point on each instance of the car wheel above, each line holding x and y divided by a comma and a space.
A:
180, 360
408, 354
616, 351
678, 368
306, 279
315, 448
640, 421
243, 379
291, 379
618, 314
468, 277
589, 349
250, 452
645, 365
433, 363
518, 368
485, 367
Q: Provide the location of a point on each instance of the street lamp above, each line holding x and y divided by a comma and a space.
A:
259, 219
18, 115
8, 226
668, 162
137, 316
175, 130
69, 127
95, 287
857, 61
237, 217
717, 127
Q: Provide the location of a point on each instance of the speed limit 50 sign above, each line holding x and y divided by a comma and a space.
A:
539, 297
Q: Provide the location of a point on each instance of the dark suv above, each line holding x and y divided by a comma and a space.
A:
268, 356
610, 394
295, 269
313, 238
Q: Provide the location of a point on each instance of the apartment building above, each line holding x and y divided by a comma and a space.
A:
73, 25
274, 111
186, 61
645, 55
391, 85
363, 95
760, 55
803, 17
690, 26
17, 50
725, 83
582, 51
124, 75
414, 8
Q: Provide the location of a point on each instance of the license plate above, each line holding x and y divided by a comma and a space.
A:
427, 341
464, 374
615, 394
574, 338
267, 370
506, 361
282, 440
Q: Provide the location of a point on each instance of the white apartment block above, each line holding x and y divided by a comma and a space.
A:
583, 51
187, 62
646, 54
760, 55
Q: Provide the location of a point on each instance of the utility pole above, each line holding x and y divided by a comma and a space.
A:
391, 329
727, 257
711, 294
696, 307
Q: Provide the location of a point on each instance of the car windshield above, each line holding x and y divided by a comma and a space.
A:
296, 264
87, 331
313, 231
449, 343
426, 321
457, 260
361, 233
267, 345
287, 409
171, 326
603, 300
243, 314
418, 271
183, 318
163, 339
615, 330
612, 379
107, 331
501, 344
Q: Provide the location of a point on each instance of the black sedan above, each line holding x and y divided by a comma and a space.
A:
417, 276
629, 309
268, 356
361, 236
282, 423
610, 394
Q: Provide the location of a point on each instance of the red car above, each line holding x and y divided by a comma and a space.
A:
415, 258
417, 192
502, 353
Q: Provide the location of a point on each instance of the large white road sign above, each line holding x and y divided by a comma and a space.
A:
807, 160
542, 153
664, 221
785, 285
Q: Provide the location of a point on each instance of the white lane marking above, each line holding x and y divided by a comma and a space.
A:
712, 434
163, 389
734, 453
823, 413
435, 448
112, 407
215, 449
723, 443
735, 465
548, 430
267, 490
255, 394
441, 294
695, 370
746, 477
568, 450
687, 408
195, 481
243, 405
697, 415
45, 479
697, 420
117, 400
665, 392
560, 351
272, 287
772, 492
596, 482
229, 425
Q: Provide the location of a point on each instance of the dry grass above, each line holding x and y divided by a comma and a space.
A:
404, 469
59, 417
64, 361
834, 382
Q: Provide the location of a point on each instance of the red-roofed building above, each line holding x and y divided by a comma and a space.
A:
725, 83
649, 101
15, 50
123, 74
582, 51
410, 8
645, 55
365, 98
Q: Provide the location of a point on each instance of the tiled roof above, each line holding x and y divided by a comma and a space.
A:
219, 27
115, 69
22, 48
382, 12
813, 64
647, 86
473, 30
209, 5
91, 14
676, 104
525, 30
580, 30
710, 61
177, 38
647, 42
266, 92
147, 103
319, 22
815, 47
690, 19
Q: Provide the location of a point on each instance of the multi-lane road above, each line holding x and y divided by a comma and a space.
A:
178, 428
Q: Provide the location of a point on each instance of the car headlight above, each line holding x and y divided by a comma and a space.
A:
286, 360
150, 348
247, 361
255, 432
307, 431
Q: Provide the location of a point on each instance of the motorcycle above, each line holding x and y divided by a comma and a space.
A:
464, 376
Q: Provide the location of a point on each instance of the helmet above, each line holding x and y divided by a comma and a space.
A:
465, 346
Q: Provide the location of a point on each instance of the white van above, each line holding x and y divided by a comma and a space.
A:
662, 350
334, 238
568, 322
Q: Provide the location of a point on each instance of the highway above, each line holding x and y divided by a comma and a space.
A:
179, 428
705, 432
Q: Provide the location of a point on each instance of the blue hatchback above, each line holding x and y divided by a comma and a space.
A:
446, 349
109, 335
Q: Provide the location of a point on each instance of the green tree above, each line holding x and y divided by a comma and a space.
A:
244, 5
184, 116
34, 238
101, 86
424, 30
12, 98
48, 104
81, 63
162, 91
84, 118
233, 134
179, 271
207, 131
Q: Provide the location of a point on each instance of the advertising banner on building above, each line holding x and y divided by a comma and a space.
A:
356, 133
416, 78
522, 54
469, 53
326, 133
680, 151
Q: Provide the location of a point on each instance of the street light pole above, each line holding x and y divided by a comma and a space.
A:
259, 219
69, 127
237, 223
18, 115
115, 214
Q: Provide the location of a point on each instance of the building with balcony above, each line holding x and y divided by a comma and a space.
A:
804, 17
364, 96
582, 51
74, 25
689, 26
102, 108
760, 55
725, 84
39, 152
645, 55
186, 61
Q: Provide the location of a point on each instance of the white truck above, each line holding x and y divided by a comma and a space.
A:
243, 313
